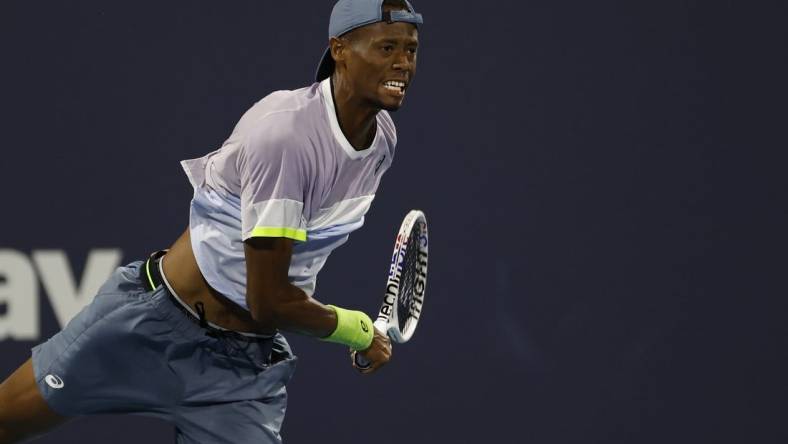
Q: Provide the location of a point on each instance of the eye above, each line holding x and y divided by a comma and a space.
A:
388, 48
412, 50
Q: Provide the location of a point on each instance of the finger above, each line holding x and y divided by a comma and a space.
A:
369, 370
376, 364
374, 367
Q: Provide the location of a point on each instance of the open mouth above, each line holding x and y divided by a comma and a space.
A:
395, 86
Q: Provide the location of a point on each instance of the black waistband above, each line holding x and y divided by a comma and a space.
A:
151, 277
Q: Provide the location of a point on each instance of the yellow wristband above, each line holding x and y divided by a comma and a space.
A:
354, 329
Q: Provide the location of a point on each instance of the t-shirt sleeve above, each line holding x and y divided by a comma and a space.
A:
271, 167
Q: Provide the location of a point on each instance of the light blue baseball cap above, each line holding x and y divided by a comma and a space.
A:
348, 15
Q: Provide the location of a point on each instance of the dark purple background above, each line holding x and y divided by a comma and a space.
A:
605, 184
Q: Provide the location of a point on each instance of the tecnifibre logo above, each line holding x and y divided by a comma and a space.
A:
19, 287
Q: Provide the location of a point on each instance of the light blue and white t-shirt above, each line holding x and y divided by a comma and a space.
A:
287, 170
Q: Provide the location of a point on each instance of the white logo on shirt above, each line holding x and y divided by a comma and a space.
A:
54, 381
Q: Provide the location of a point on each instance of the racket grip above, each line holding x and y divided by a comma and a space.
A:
362, 362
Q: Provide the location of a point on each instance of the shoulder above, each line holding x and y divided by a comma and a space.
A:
279, 114
277, 123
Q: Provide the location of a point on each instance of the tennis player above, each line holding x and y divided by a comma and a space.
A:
191, 335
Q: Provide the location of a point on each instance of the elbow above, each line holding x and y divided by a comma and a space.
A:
278, 310
268, 312
264, 314
263, 317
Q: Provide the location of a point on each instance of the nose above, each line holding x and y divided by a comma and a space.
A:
402, 61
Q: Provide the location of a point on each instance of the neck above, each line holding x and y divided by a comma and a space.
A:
356, 118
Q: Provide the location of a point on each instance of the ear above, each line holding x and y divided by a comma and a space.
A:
338, 49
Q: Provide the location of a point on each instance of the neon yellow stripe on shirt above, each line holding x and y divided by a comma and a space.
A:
291, 233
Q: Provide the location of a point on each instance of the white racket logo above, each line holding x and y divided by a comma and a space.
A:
54, 381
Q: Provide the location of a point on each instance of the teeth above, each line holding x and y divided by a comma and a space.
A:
395, 84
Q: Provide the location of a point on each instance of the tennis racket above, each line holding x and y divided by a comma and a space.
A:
407, 282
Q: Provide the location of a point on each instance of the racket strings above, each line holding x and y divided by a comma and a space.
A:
408, 278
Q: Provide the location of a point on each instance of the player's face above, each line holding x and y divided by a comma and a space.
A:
382, 63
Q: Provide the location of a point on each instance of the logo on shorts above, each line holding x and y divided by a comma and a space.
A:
54, 381
364, 326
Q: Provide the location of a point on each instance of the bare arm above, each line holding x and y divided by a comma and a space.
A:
273, 301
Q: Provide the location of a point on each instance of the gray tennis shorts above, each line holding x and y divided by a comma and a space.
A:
133, 351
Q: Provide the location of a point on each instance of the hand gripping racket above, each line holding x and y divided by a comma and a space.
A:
407, 283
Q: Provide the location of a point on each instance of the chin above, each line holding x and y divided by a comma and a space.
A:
388, 105
392, 108
385, 103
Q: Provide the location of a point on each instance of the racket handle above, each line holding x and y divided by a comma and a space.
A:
362, 362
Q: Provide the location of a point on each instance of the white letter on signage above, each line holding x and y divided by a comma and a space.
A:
64, 296
19, 293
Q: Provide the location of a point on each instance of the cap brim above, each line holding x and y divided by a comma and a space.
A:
326, 66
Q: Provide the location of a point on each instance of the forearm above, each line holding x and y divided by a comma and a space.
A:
305, 315
275, 302
293, 310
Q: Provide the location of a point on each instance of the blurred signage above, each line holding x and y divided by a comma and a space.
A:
20, 275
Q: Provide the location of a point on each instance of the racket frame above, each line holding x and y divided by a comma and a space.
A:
389, 315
